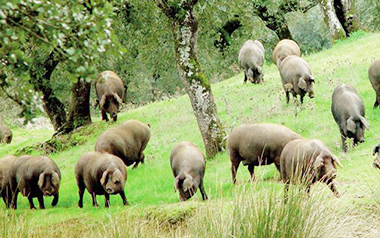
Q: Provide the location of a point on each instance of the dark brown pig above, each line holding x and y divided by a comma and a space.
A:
376, 161
348, 110
257, 144
188, 166
110, 92
127, 141
296, 77
34, 176
374, 77
5, 166
283, 49
251, 59
101, 174
305, 161
5, 134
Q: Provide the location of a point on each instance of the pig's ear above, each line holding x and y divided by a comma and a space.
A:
319, 162
176, 184
41, 180
259, 69
302, 83
375, 150
364, 122
116, 176
188, 184
351, 125
336, 161
104, 177
55, 179
102, 101
117, 98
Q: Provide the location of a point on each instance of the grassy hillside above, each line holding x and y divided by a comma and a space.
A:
247, 209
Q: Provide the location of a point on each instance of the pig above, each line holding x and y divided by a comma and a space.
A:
376, 161
257, 144
348, 110
127, 141
5, 134
188, 166
251, 59
296, 77
110, 92
374, 77
34, 176
5, 166
101, 174
283, 49
307, 161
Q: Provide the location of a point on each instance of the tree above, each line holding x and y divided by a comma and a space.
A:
340, 17
184, 28
225, 33
37, 37
275, 19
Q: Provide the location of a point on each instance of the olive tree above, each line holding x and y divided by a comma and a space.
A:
340, 17
37, 37
184, 28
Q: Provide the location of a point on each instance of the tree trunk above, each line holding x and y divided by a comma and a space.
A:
54, 108
184, 29
79, 114
336, 29
274, 21
347, 16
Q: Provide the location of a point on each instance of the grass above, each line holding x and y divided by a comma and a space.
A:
244, 210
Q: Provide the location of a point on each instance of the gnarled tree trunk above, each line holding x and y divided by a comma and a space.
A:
347, 15
336, 30
79, 114
184, 28
54, 108
340, 17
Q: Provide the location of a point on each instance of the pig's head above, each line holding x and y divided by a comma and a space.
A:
376, 161
325, 165
185, 185
113, 181
355, 128
306, 84
255, 75
110, 103
49, 182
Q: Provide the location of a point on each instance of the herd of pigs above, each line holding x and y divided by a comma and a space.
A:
103, 171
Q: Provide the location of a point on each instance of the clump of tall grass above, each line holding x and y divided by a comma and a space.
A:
265, 214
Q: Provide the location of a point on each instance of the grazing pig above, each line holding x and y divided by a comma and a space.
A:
127, 141
251, 59
188, 166
374, 77
256, 144
34, 176
5, 166
283, 49
101, 174
5, 134
348, 110
308, 161
376, 161
296, 77
110, 92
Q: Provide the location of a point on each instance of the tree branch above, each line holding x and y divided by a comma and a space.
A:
14, 98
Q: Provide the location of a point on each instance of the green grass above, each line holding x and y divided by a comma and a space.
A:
244, 210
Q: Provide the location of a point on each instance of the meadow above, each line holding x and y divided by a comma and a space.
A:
244, 210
